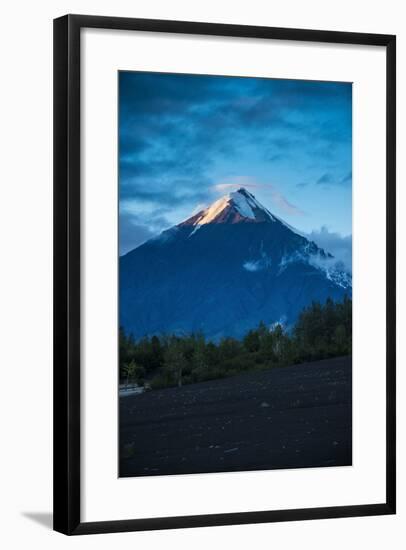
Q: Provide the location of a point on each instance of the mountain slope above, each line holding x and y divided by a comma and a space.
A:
223, 271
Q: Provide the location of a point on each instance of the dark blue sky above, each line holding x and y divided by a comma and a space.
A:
185, 140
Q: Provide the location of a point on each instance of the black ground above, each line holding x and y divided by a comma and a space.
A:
290, 417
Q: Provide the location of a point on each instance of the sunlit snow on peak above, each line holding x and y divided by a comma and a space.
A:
213, 210
241, 201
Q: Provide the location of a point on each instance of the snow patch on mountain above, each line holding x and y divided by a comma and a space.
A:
257, 265
245, 202
334, 269
287, 259
242, 204
213, 211
264, 262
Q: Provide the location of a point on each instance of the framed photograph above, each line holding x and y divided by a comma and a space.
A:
224, 274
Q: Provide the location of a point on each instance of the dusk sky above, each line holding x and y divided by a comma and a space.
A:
186, 140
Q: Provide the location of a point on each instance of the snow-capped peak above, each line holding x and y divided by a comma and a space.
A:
238, 206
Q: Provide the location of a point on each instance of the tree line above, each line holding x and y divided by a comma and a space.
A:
321, 331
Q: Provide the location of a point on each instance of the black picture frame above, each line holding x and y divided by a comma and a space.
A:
67, 294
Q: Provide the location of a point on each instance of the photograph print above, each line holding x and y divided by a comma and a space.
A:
235, 273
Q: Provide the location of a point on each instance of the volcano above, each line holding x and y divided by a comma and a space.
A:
223, 271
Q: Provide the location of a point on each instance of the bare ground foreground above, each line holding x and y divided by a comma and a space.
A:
290, 417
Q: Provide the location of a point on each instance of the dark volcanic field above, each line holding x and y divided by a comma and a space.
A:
290, 417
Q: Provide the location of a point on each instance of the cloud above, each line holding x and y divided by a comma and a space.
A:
131, 234
328, 179
276, 157
168, 193
334, 243
240, 181
175, 126
135, 230
325, 179
276, 196
286, 206
347, 178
